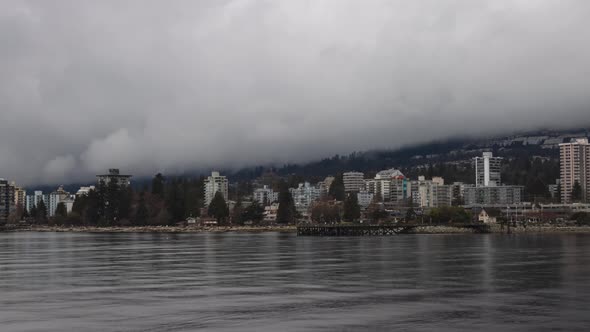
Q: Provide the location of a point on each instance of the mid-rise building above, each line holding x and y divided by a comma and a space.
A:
458, 193
265, 196
84, 191
325, 186
33, 200
430, 193
214, 184
389, 185
61, 193
488, 189
114, 175
353, 181
575, 168
7, 206
19, 195
487, 170
364, 198
50, 200
487, 196
554, 189
303, 196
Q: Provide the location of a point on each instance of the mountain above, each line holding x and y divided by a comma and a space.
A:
449, 158
539, 144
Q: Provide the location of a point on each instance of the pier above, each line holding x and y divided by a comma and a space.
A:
379, 230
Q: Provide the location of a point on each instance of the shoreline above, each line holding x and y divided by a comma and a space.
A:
495, 229
155, 229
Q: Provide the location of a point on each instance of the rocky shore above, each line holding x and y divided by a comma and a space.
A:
495, 229
157, 229
498, 229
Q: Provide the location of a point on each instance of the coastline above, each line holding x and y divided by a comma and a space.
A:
494, 229
497, 229
155, 229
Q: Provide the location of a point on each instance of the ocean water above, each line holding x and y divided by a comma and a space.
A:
281, 282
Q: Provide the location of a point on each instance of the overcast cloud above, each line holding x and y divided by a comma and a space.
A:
177, 85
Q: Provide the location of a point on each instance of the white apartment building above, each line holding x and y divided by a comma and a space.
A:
430, 193
487, 170
265, 196
364, 198
353, 181
574, 167
303, 196
213, 184
387, 184
84, 191
50, 200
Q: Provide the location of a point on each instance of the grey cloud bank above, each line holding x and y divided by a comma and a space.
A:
170, 86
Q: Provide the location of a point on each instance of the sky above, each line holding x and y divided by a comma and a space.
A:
173, 86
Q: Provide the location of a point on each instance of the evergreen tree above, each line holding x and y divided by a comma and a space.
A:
218, 208
237, 214
125, 202
79, 204
142, 213
352, 210
93, 207
61, 214
410, 214
286, 213
447, 214
41, 212
576, 192
337, 188
175, 200
536, 189
33, 212
61, 210
158, 185
254, 213
192, 198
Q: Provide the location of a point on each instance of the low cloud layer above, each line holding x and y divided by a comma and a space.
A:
178, 85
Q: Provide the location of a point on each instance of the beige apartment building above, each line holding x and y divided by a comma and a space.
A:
575, 167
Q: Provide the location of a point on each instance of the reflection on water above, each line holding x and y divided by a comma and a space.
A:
278, 282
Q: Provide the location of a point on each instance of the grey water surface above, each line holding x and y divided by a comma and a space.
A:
281, 282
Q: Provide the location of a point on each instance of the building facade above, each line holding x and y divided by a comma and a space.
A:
487, 196
114, 175
214, 184
20, 195
265, 196
575, 167
7, 206
303, 196
50, 200
364, 198
325, 186
84, 191
353, 181
430, 193
487, 170
389, 185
